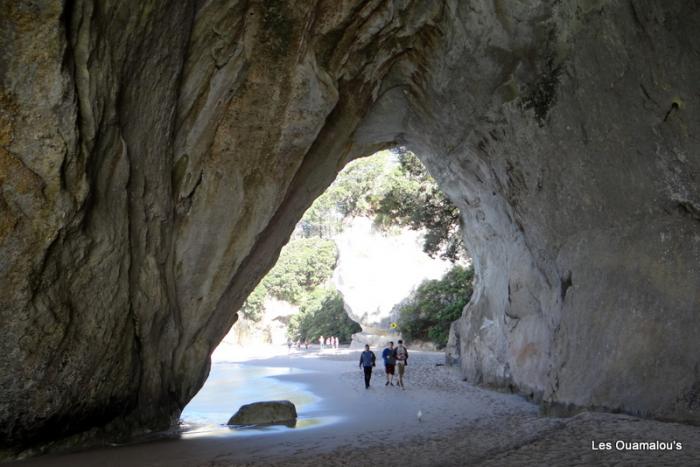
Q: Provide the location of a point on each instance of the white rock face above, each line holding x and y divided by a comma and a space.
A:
376, 271
271, 329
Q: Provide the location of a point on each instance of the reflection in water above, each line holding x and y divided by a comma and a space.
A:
231, 385
287, 423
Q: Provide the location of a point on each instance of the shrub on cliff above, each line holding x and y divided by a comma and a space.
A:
303, 265
412, 198
353, 193
428, 313
322, 314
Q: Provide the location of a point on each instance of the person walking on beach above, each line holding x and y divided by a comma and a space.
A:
401, 356
367, 361
320, 342
389, 362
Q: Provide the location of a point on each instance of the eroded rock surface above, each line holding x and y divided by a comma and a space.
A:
155, 156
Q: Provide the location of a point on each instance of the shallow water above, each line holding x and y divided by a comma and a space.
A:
231, 385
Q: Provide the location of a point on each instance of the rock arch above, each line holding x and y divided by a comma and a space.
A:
156, 156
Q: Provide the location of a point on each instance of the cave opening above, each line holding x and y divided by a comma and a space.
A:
378, 257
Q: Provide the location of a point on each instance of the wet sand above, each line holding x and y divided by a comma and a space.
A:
461, 425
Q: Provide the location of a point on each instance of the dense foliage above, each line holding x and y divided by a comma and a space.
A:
412, 198
353, 193
322, 314
435, 304
395, 189
303, 265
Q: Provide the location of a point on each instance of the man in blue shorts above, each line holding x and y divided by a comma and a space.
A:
389, 362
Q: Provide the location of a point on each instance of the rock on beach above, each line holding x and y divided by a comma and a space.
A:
265, 413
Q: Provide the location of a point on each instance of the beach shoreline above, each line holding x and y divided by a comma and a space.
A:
460, 424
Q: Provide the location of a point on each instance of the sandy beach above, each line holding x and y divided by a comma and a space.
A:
460, 425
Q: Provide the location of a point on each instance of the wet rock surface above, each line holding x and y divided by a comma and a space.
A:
155, 156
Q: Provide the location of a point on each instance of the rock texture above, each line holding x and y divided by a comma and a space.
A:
270, 329
376, 271
576, 171
265, 413
154, 157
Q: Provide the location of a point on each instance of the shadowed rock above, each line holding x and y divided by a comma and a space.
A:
265, 413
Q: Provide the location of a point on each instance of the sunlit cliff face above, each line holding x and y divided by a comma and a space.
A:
152, 167
376, 271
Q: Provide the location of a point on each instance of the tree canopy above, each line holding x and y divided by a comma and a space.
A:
322, 314
435, 304
394, 189
412, 198
303, 265
353, 193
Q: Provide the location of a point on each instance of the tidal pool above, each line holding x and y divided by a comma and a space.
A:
231, 385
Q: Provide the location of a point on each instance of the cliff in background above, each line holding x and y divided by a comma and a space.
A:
376, 271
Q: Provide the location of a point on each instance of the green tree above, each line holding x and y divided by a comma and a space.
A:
396, 190
303, 265
353, 193
254, 305
435, 304
322, 314
412, 198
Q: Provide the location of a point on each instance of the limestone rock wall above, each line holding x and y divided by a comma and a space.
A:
154, 157
270, 329
564, 134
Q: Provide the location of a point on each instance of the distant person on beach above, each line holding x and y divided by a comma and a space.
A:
389, 362
367, 361
401, 357
320, 341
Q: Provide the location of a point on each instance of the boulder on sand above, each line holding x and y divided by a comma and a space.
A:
265, 413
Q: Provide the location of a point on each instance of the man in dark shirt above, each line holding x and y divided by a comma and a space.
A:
367, 361
389, 362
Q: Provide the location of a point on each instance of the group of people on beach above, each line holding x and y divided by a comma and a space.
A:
332, 342
395, 358
329, 342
